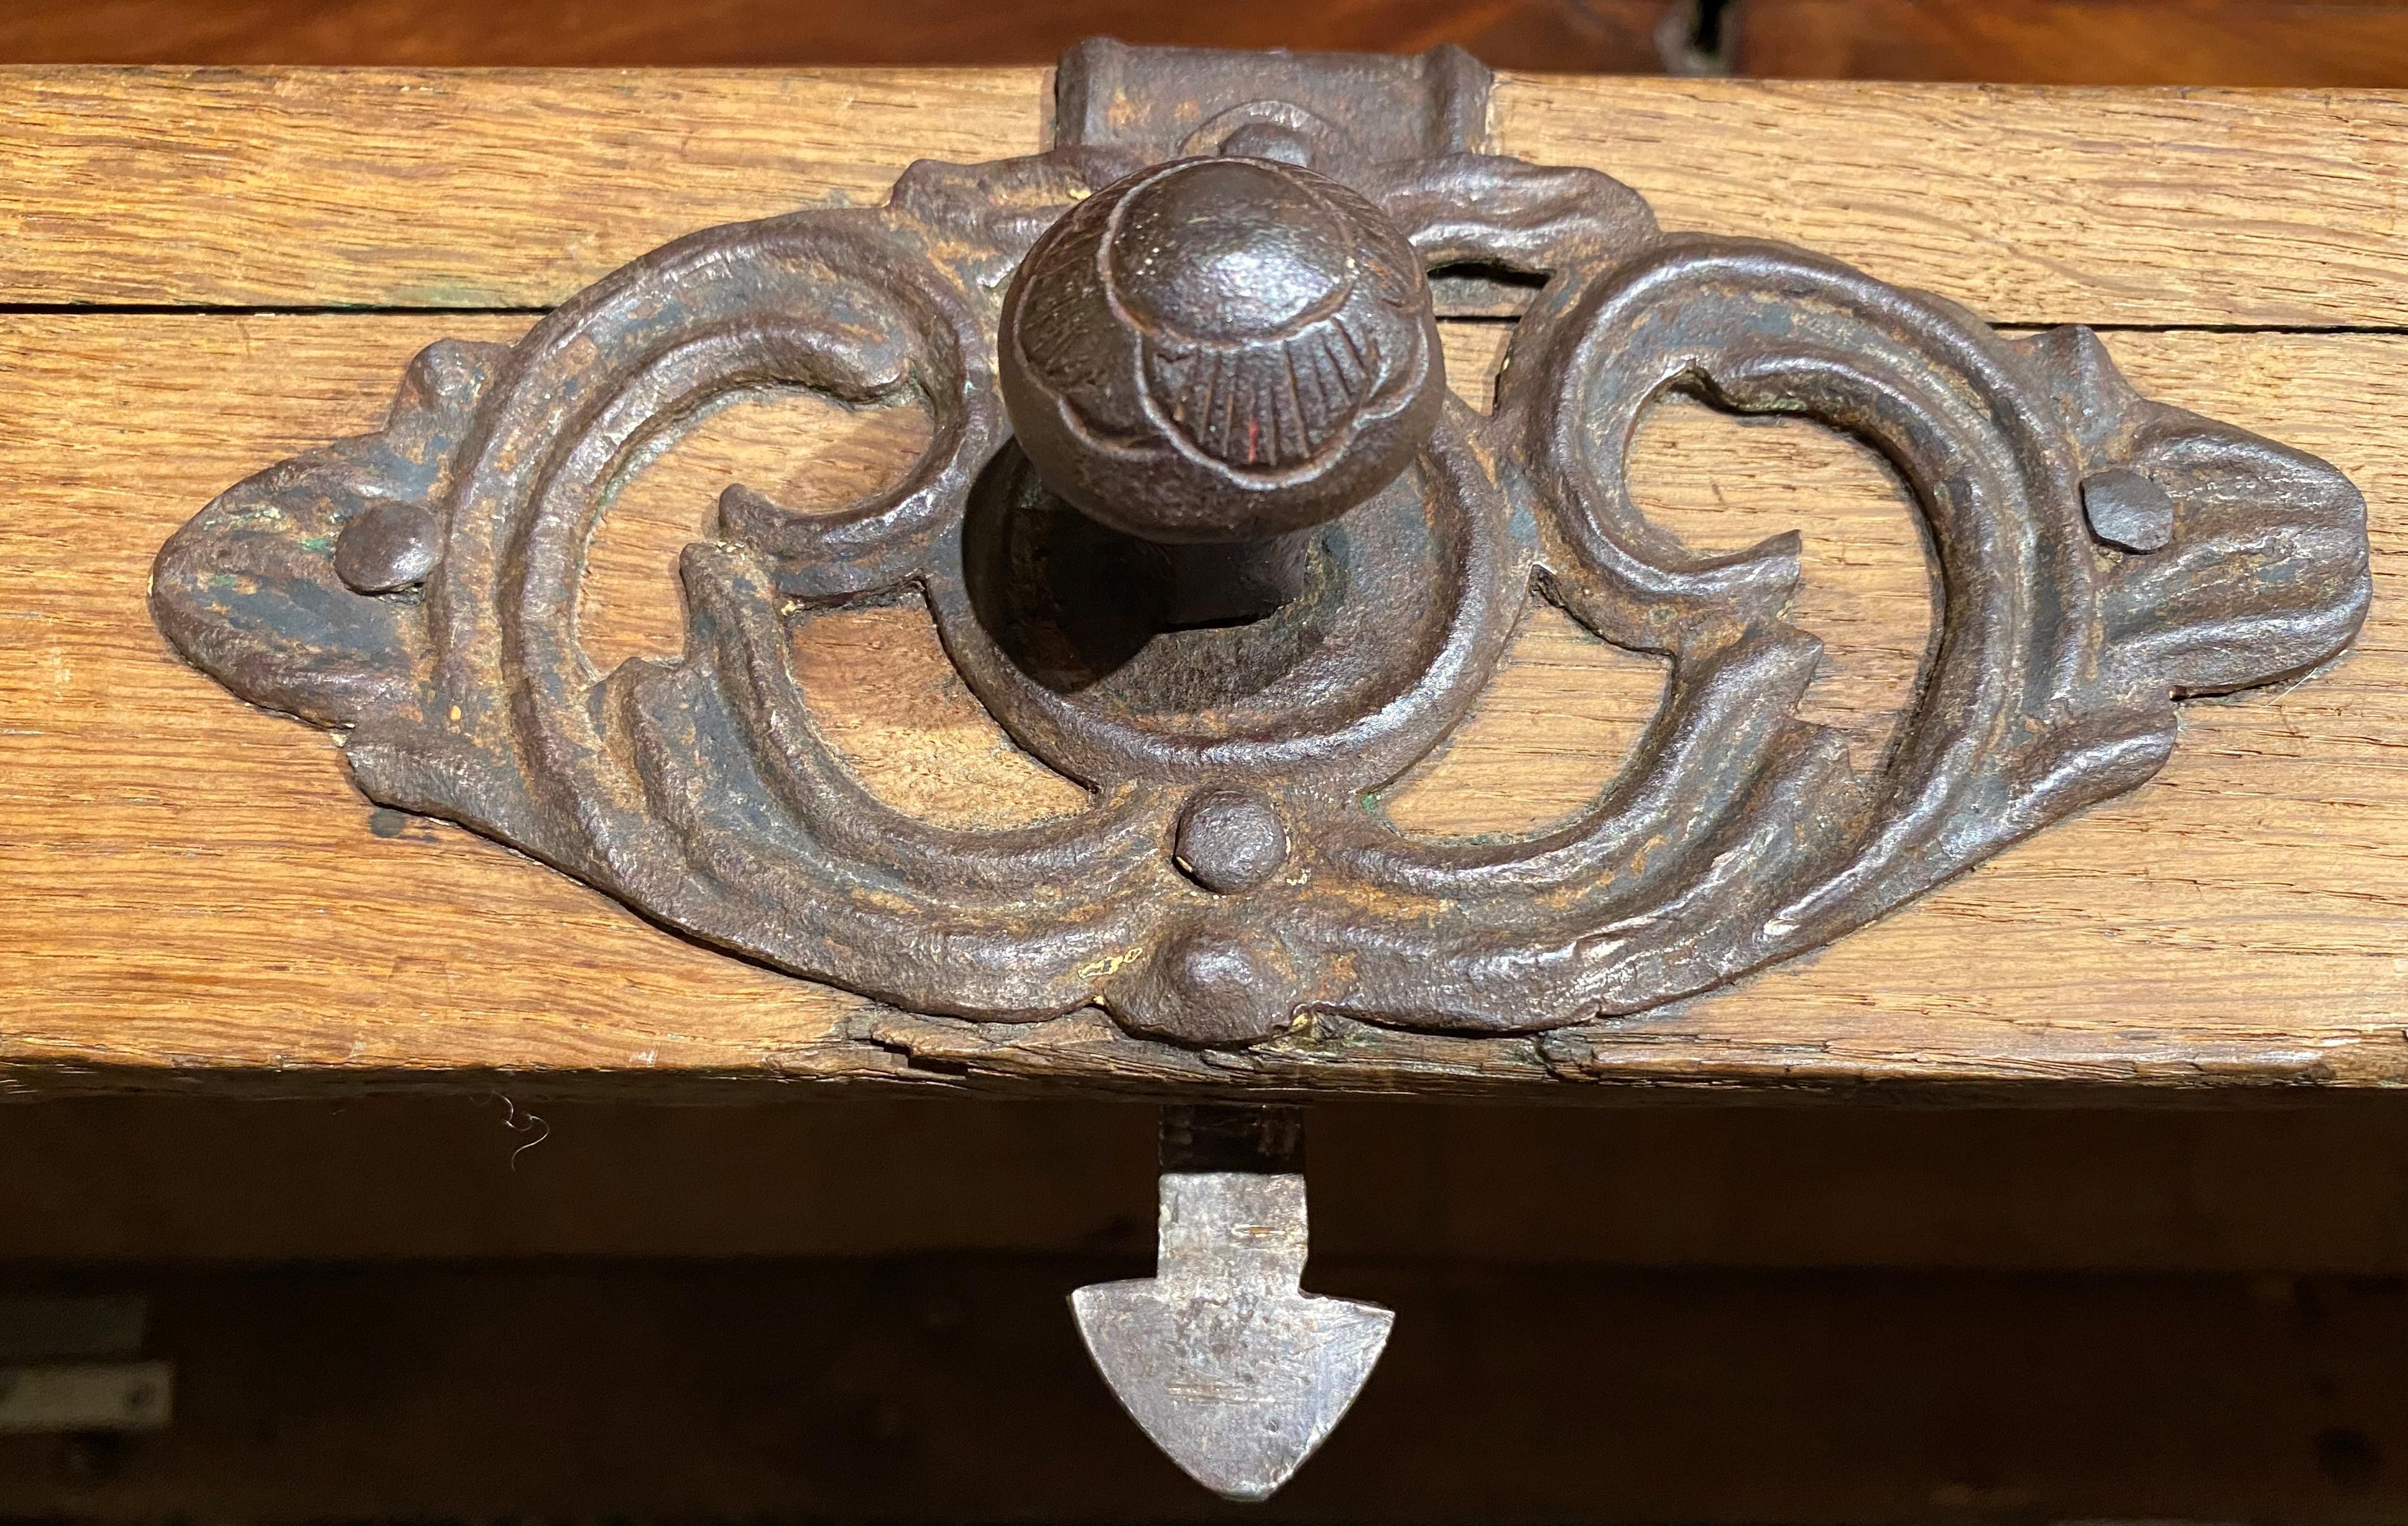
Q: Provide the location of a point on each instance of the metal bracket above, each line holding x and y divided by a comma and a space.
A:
1355, 109
1233, 1371
71, 1366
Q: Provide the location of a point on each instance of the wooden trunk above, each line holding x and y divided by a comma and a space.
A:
206, 270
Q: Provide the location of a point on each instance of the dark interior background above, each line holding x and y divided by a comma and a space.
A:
2194, 42
507, 1305
819, 1307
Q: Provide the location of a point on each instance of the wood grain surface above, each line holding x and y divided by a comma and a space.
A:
511, 189
199, 887
199, 898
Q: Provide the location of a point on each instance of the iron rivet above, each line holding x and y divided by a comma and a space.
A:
2128, 510
387, 546
1212, 984
1230, 839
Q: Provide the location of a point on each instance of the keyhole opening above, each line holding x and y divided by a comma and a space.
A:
1075, 603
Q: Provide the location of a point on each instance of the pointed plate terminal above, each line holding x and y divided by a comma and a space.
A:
1233, 1371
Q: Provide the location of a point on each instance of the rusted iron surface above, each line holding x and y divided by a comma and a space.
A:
1280, 567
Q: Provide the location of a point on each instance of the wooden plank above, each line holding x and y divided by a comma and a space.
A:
512, 1172
205, 899
2030, 205
954, 1388
245, 820
2298, 43
437, 189
382, 188
1599, 36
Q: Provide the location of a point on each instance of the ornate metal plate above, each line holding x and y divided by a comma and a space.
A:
1261, 563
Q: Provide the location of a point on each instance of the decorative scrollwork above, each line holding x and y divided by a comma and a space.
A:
2099, 557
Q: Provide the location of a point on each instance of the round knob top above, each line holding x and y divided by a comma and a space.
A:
1229, 250
1220, 349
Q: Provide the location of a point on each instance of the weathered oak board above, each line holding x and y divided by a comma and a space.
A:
513, 188
197, 896
197, 886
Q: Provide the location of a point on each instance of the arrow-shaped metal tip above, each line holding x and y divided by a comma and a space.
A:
1231, 1369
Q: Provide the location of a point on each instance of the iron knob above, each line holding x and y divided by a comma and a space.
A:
1220, 350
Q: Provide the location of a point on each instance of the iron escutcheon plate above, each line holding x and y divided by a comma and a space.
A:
2101, 557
